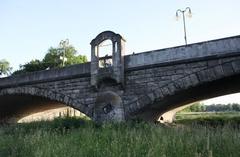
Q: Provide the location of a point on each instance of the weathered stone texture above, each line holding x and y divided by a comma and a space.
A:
149, 78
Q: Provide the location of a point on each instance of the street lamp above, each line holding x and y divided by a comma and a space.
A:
63, 44
187, 10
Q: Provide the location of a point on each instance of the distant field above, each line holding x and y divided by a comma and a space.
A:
193, 115
209, 118
72, 137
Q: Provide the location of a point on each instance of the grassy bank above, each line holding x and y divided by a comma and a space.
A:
214, 119
73, 137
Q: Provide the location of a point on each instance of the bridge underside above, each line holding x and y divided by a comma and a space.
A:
205, 91
15, 107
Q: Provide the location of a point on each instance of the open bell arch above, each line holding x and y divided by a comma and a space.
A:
116, 70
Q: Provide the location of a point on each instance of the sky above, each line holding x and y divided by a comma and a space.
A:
29, 28
225, 99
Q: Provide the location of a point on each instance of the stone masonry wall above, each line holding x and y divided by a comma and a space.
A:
140, 83
149, 77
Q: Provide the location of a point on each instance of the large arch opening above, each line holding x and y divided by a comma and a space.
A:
221, 107
216, 88
20, 108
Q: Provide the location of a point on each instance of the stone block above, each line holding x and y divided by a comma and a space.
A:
57, 96
163, 82
186, 82
236, 65
172, 88
144, 101
198, 64
202, 76
158, 93
176, 76
194, 79
179, 71
45, 94
179, 84
227, 69
66, 99
212, 63
218, 71
165, 91
210, 74
32, 91
151, 96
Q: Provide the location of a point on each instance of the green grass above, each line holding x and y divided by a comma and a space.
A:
214, 119
71, 137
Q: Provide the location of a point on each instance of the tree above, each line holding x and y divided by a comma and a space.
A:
235, 107
5, 68
53, 59
195, 107
34, 65
79, 59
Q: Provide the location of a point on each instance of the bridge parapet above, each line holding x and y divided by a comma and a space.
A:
73, 71
218, 47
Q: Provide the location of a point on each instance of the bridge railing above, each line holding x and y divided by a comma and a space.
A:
78, 70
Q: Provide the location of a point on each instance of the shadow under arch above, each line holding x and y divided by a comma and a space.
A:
19, 102
188, 89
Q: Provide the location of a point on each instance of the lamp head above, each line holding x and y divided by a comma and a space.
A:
177, 16
189, 12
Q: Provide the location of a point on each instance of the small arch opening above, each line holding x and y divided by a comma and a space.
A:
105, 50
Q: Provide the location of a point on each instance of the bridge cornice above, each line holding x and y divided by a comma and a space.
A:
184, 61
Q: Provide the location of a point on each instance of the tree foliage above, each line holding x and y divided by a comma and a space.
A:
53, 59
5, 68
223, 108
33, 65
199, 107
196, 107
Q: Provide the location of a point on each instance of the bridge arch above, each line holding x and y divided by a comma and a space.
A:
212, 81
36, 94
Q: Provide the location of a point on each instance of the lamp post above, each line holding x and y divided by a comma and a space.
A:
187, 10
63, 44
1, 69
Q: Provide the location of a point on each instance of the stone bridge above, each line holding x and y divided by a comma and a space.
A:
142, 85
